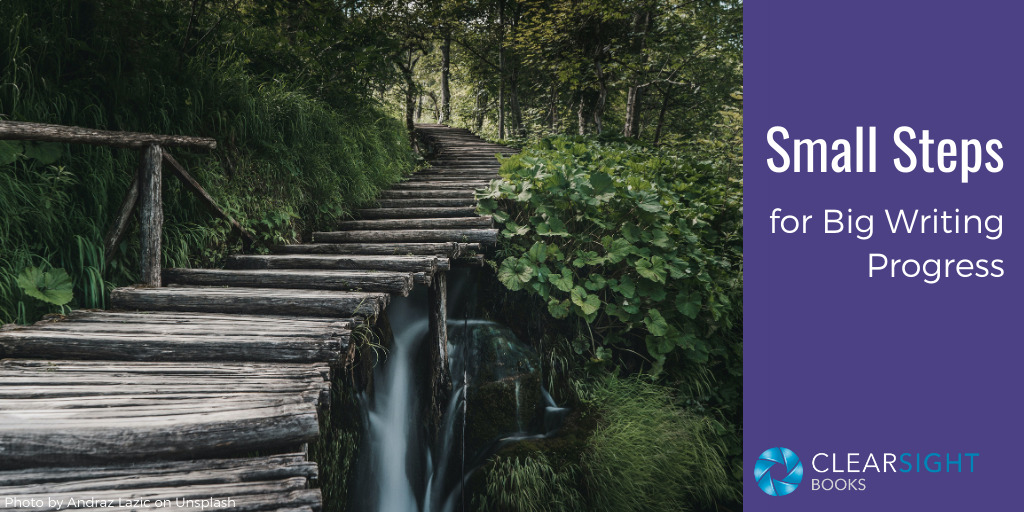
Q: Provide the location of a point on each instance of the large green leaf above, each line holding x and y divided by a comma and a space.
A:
655, 323
513, 272
588, 303
10, 150
45, 152
53, 287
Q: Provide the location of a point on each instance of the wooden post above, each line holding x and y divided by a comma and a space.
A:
151, 214
441, 381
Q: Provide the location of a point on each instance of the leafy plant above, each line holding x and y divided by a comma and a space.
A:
52, 287
640, 244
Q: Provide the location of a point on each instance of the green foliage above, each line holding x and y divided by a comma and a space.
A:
52, 287
642, 245
641, 452
648, 454
529, 484
293, 154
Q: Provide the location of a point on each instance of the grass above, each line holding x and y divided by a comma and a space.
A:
644, 453
287, 162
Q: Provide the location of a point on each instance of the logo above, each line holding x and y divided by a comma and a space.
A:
789, 467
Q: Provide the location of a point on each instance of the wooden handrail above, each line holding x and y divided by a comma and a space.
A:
146, 188
17, 130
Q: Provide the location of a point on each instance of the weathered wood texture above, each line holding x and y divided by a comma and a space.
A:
425, 224
480, 236
71, 412
412, 213
258, 483
444, 249
151, 214
429, 193
15, 130
251, 300
148, 337
124, 216
419, 202
441, 381
363, 280
193, 185
397, 263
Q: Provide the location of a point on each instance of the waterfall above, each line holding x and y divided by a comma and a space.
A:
399, 469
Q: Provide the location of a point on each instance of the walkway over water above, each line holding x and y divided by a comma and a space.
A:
165, 395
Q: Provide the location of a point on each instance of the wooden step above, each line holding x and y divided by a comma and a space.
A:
426, 202
438, 223
398, 263
429, 193
441, 249
365, 280
155, 337
271, 301
267, 483
468, 186
81, 412
408, 213
481, 236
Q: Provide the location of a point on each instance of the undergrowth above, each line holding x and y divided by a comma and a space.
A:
645, 453
287, 162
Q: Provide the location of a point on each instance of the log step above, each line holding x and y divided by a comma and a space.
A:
426, 202
481, 236
270, 301
398, 263
445, 249
78, 412
269, 483
409, 213
438, 223
442, 185
102, 335
429, 193
368, 281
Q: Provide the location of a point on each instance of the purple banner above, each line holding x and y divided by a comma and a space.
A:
881, 308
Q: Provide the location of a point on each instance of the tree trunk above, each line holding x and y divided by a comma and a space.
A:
631, 128
581, 114
553, 107
446, 94
481, 108
513, 99
501, 70
602, 95
634, 98
661, 116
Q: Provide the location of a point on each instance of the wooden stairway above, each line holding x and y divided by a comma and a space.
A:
144, 401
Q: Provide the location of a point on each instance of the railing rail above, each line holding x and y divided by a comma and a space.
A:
146, 189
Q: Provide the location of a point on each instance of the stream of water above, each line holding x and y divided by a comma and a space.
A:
400, 469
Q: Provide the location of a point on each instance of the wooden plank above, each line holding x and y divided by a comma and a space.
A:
481, 236
193, 185
35, 440
411, 213
346, 261
440, 379
422, 223
52, 479
425, 202
15, 130
251, 300
429, 193
445, 249
176, 347
373, 281
151, 215
233, 320
124, 215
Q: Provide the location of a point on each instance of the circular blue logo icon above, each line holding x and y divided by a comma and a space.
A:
783, 458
